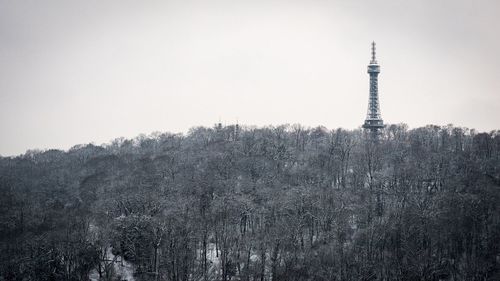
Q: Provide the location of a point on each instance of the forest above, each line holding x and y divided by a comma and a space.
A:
233, 202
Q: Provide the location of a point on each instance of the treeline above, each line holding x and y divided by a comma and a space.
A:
272, 203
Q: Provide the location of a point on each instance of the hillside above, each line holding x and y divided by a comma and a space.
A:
272, 203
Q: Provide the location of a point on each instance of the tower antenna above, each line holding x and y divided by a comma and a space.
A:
374, 60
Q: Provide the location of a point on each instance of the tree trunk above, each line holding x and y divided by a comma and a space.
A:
274, 260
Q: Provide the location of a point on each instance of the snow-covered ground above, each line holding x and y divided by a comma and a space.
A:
121, 268
212, 254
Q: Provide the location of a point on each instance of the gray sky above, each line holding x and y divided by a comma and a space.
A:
75, 72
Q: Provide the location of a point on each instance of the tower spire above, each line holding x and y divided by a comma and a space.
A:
374, 60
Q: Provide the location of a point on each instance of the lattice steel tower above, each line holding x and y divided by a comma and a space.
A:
373, 120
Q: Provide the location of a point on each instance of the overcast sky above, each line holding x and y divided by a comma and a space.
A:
74, 72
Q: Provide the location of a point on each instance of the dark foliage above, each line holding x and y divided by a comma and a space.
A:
275, 203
